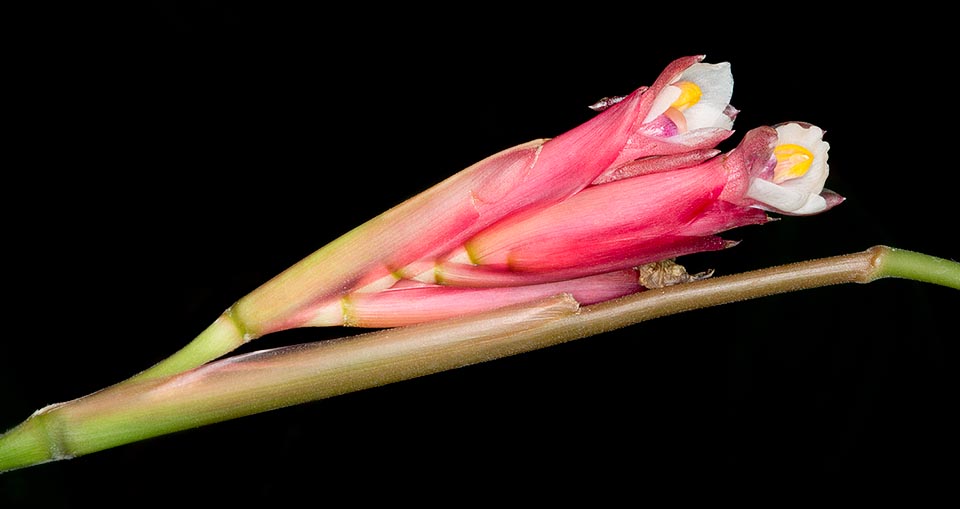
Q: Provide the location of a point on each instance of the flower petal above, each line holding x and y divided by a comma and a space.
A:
715, 82
796, 191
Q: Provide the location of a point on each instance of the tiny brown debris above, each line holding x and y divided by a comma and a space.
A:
667, 273
606, 102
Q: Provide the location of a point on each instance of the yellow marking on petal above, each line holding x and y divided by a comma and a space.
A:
690, 94
793, 161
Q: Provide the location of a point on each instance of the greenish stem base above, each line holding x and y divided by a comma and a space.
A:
28, 444
221, 337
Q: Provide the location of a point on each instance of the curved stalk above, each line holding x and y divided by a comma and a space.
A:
271, 379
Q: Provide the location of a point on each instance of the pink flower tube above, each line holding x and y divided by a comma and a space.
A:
657, 215
589, 244
409, 302
695, 115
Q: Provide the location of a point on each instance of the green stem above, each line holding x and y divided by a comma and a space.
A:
242, 385
224, 335
905, 264
261, 381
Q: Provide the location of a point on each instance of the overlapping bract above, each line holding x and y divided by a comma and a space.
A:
641, 182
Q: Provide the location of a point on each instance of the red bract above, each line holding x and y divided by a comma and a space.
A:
527, 177
531, 176
594, 237
409, 302
641, 182
619, 224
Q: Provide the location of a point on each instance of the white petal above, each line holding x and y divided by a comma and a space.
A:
777, 197
664, 99
716, 85
811, 138
815, 203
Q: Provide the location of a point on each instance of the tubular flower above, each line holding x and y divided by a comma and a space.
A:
697, 99
619, 224
522, 179
792, 182
591, 243
641, 182
654, 216
689, 109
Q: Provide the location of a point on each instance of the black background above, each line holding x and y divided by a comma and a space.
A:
170, 161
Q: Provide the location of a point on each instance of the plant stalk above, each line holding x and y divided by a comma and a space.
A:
270, 379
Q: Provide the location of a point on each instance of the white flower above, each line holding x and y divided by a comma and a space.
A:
701, 97
796, 183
